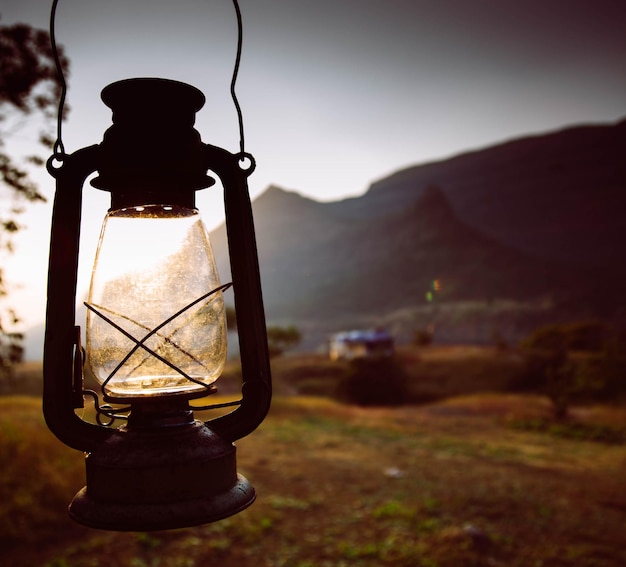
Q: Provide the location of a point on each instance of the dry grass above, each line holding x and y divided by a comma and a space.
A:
25, 380
436, 372
451, 484
37, 476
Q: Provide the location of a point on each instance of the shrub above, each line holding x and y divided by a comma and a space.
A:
588, 336
280, 339
597, 371
605, 373
556, 374
422, 338
379, 381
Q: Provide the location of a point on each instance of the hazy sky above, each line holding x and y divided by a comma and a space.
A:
338, 93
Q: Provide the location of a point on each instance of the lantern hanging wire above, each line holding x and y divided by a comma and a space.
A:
59, 148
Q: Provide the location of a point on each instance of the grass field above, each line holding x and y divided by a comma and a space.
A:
481, 479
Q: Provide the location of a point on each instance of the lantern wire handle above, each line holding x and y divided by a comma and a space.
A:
233, 82
59, 149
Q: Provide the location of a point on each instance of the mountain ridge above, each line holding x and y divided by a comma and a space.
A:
518, 234
555, 170
326, 264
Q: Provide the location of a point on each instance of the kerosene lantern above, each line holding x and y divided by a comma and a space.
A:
155, 330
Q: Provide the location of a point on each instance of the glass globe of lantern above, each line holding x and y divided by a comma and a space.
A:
155, 321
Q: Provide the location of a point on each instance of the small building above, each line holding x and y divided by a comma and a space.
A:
349, 345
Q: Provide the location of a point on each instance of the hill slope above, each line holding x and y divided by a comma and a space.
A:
535, 224
378, 265
560, 195
540, 219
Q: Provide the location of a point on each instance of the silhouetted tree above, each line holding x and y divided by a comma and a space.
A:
28, 88
280, 339
551, 368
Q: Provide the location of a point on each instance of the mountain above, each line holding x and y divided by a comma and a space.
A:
559, 195
518, 234
522, 233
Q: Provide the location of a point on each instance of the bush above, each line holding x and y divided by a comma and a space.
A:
605, 373
588, 336
597, 370
380, 381
555, 374
280, 339
422, 338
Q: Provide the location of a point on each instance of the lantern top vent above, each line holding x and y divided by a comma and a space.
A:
152, 153
151, 96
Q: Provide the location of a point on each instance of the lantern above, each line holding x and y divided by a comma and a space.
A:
155, 331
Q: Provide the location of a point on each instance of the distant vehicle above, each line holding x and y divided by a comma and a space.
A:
349, 345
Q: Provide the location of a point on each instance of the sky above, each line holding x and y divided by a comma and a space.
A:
335, 93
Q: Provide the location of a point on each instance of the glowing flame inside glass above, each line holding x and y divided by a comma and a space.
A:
153, 326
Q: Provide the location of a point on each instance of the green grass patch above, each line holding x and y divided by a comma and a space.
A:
596, 432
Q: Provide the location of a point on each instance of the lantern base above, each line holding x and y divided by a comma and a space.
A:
161, 516
162, 471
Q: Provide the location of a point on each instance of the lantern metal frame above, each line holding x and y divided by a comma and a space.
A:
163, 444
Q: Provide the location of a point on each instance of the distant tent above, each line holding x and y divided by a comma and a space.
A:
360, 344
